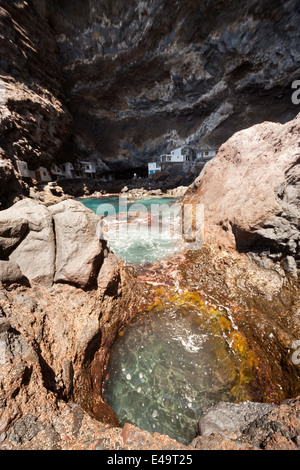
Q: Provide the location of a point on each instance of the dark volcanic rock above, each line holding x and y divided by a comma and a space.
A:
279, 429
138, 78
11, 183
145, 76
35, 125
276, 429
227, 419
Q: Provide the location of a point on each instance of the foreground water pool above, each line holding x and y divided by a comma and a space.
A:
167, 368
133, 240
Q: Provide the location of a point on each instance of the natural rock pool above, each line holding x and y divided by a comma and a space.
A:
178, 358
170, 365
134, 240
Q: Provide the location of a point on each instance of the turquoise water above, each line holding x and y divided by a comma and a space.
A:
168, 366
164, 371
93, 203
137, 240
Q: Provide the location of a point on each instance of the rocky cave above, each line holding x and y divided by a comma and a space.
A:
118, 83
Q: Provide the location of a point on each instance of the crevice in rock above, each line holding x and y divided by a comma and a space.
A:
92, 348
55, 247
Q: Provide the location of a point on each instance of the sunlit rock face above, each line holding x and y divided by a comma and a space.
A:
251, 194
142, 77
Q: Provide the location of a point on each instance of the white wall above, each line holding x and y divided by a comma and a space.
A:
23, 169
45, 176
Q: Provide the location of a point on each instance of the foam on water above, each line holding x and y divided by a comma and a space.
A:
164, 371
134, 241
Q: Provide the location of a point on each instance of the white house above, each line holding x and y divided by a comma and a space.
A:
153, 168
185, 155
165, 158
43, 175
56, 171
206, 154
67, 170
182, 154
89, 169
23, 169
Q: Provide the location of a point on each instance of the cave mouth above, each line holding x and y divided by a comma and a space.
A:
171, 364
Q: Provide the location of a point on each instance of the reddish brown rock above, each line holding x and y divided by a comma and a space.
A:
53, 346
251, 192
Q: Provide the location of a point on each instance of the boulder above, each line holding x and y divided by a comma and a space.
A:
54, 244
180, 191
35, 254
251, 191
108, 278
79, 253
230, 419
11, 233
160, 176
10, 273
